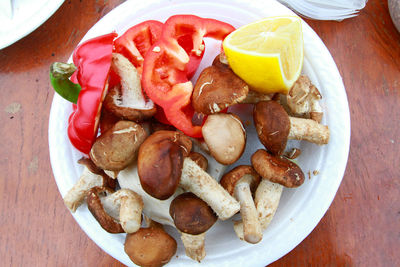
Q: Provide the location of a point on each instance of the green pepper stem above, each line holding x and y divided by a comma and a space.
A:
59, 78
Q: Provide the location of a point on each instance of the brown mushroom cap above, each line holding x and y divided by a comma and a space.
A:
272, 124
107, 120
221, 61
150, 247
160, 162
126, 113
216, 89
199, 159
229, 180
155, 126
117, 148
191, 215
303, 99
225, 137
277, 169
96, 208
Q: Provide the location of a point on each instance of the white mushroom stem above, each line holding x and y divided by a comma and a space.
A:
130, 83
251, 225
76, 195
194, 246
266, 200
200, 183
309, 130
130, 206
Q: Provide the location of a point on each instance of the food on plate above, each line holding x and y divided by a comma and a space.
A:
274, 127
199, 159
165, 77
59, 79
266, 200
154, 122
118, 147
217, 88
267, 54
126, 99
225, 137
93, 61
137, 40
277, 169
163, 165
91, 176
303, 99
116, 212
150, 247
241, 182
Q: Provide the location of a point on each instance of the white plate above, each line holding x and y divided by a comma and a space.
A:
27, 15
300, 209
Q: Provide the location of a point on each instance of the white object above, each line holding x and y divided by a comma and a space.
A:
6, 9
326, 9
25, 17
300, 209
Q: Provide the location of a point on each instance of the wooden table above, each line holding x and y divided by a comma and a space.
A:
361, 228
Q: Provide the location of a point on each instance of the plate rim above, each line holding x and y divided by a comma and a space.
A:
24, 28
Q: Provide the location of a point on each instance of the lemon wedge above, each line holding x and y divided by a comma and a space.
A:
267, 54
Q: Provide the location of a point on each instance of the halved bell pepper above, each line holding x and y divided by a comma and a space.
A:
166, 68
137, 40
93, 61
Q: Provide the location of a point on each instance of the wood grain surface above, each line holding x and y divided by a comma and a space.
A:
362, 226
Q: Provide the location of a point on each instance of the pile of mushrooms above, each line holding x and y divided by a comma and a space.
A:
138, 167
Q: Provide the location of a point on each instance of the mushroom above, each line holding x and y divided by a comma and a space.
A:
191, 215
201, 144
266, 200
91, 176
118, 147
241, 182
221, 60
216, 89
225, 137
150, 247
163, 165
254, 97
107, 120
277, 169
199, 159
276, 172
194, 246
274, 127
116, 211
127, 100
303, 99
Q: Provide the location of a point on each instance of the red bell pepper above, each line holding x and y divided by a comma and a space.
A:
137, 40
166, 68
93, 61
